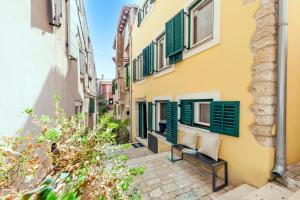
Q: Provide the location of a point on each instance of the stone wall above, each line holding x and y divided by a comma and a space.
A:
264, 72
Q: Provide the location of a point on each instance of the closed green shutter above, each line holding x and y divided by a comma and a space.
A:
92, 106
187, 112
140, 17
150, 108
224, 117
140, 128
172, 122
175, 38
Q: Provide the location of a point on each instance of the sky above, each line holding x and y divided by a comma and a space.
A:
102, 16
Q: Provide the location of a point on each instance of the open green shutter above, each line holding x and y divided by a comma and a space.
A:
92, 105
140, 17
145, 71
140, 128
151, 58
175, 38
150, 107
224, 117
186, 112
134, 70
172, 122
127, 75
169, 38
113, 87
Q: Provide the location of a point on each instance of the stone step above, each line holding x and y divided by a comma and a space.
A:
295, 196
270, 191
239, 193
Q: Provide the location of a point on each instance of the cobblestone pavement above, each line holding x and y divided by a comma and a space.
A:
166, 180
136, 152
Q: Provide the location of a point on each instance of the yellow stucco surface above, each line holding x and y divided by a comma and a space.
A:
293, 83
225, 68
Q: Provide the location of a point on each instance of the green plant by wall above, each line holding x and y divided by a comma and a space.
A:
66, 160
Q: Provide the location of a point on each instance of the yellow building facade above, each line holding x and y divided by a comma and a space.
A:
220, 64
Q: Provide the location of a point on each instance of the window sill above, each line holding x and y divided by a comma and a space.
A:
164, 71
187, 128
140, 81
194, 50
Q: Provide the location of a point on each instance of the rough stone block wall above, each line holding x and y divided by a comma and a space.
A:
264, 72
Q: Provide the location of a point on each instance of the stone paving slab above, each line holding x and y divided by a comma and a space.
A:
166, 180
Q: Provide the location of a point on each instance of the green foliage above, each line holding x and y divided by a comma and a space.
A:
74, 161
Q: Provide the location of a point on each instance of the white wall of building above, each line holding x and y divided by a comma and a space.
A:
34, 64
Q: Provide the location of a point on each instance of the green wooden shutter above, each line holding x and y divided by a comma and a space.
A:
175, 38
172, 122
140, 17
145, 62
179, 32
113, 87
150, 114
127, 75
224, 117
140, 127
169, 38
92, 105
151, 59
134, 70
187, 113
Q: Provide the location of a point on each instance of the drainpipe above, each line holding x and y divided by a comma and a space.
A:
280, 163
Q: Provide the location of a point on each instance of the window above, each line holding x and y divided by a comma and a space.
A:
146, 7
202, 113
140, 68
195, 113
202, 20
161, 53
161, 117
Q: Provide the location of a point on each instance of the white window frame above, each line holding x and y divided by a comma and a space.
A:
145, 12
139, 67
157, 112
208, 43
165, 64
201, 5
196, 113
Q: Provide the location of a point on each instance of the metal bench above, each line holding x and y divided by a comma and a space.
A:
211, 163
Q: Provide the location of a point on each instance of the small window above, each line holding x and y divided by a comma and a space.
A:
202, 21
202, 113
140, 68
146, 7
161, 117
161, 53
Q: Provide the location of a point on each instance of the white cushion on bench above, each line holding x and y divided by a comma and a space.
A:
210, 144
190, 140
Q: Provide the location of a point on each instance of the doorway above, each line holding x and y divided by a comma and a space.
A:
142, 116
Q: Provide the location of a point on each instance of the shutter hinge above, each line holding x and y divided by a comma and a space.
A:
188, 48
179, 105
185, 13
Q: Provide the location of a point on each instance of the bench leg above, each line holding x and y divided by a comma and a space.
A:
214, 175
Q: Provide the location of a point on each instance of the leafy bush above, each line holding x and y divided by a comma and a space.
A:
66, 160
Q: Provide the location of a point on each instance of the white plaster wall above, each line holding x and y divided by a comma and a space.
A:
33, 64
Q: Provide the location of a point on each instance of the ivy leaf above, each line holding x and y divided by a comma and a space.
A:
43, 194
51, 196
